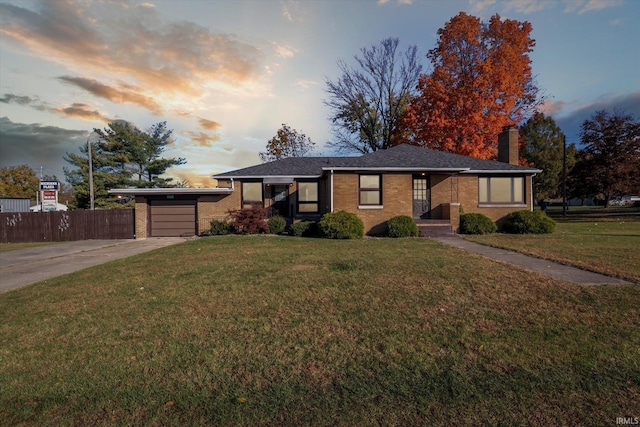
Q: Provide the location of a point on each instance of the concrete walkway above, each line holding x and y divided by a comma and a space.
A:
550, 268
30, 265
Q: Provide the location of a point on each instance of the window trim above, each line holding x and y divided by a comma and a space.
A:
370, 190
512, 201
252, 203
308, 202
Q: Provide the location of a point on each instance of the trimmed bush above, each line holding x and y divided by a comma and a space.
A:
276, 224
249, 221
402, 226
220, 228
528, 222
477, 223
341, 225
304, 229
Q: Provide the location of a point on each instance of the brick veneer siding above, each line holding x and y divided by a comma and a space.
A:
142, 215
216, 206
448, 195
468, 197
396, 199
440, 195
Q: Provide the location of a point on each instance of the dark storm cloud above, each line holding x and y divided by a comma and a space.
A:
37, 145
571, 123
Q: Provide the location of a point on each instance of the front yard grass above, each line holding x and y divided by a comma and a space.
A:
290, 331
608, 244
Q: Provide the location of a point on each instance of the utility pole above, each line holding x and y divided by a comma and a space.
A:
90, 175
564, 175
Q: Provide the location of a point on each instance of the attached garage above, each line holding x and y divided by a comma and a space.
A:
179, 212
173, 218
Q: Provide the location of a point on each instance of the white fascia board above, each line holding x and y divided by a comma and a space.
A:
504, 172
383, 169
163, 191
293, 177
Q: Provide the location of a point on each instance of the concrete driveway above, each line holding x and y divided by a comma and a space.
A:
30, 265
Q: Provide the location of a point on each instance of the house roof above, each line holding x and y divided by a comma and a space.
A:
399, 158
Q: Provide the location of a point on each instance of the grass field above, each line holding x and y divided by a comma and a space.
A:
603, 243
290, 331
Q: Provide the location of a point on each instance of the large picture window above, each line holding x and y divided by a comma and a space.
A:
251, 195
370, 190
501, 190
308, 197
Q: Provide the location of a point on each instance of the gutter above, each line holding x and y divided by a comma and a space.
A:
397, 169
504, 172
164, 191
292, 177
531, 191
331, 185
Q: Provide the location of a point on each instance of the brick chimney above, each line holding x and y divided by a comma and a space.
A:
508, 145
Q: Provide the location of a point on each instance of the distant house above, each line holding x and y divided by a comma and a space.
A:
425, 184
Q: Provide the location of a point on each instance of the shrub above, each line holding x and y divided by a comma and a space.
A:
219, 228
304, 229
341, 225
402, 226
276, 224
528, 222
477, 223
249, 221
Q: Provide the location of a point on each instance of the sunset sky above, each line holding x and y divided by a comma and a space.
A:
225, 75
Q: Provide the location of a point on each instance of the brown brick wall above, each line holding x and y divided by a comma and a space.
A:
396, 199
216, 206
141, 214
440, 194
468, 196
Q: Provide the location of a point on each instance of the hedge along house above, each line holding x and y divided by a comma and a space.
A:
430, 186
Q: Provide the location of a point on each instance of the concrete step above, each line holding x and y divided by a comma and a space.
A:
434, 228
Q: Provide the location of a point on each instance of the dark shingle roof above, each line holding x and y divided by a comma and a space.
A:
401, 157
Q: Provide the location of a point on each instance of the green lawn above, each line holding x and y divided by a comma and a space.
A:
602, 243
291, 331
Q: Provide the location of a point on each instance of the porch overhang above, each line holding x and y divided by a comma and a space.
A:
278, 180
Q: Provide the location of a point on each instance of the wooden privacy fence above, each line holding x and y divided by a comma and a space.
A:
22, 227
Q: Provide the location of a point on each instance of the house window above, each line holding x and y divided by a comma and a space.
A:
370, 190
251, 195
501, 190
308, 197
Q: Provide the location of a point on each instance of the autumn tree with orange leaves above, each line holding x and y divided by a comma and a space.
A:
481, 82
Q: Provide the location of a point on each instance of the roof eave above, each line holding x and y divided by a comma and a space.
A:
265, 176
502, 171
394, 169
164, 191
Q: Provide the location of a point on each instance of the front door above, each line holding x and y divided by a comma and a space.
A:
421, 197
279, 200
